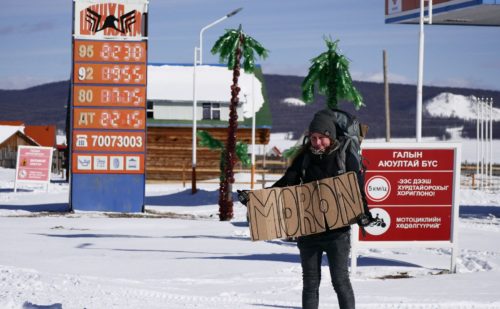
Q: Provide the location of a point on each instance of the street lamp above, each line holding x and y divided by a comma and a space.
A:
420, 78
198, 61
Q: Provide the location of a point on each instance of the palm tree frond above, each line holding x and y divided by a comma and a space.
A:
291, 152
257, 47
330, 71
207, 140
242, 153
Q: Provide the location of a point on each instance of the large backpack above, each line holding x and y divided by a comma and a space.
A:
350, 134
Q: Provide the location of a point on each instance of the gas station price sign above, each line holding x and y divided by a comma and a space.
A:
108, 105
109, 51
122, 119
109, 141
110, 73
112, 96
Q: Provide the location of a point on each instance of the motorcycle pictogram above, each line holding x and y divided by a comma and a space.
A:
378, 222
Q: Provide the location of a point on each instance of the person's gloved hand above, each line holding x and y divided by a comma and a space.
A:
365, 219
243, 196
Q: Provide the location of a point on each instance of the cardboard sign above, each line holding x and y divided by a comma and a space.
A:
304, 209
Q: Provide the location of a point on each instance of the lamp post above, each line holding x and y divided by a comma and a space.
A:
198, 61
421, 41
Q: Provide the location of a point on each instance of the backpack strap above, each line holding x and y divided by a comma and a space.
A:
341, 156
305, 164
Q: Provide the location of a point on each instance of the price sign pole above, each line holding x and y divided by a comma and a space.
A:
108, 105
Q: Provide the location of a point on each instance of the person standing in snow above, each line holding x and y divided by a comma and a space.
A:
318, 160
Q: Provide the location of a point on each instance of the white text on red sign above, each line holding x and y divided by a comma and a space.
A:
109, 96
88, 118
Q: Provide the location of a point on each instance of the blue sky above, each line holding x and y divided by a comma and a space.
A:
36, 40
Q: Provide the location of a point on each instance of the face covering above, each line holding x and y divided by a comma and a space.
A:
317, 151
332, 148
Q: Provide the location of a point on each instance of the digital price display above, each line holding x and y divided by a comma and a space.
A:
118, 119
123, 96
109, 141
108, 73
109, 51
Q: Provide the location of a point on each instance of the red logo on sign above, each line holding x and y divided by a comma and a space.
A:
103, 17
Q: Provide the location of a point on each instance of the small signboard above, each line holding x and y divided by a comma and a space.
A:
33, 165
412, 192
304, 209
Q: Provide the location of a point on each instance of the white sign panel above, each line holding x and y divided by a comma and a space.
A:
99, 19
33, 165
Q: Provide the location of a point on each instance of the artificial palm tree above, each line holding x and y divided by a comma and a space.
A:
330, 70
232, 47
207, 140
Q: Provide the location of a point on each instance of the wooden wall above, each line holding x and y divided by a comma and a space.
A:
169, 152
8, 149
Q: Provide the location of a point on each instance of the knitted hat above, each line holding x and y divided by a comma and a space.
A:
323, 122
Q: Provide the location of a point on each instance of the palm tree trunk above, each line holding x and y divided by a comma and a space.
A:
225, 193
332, 89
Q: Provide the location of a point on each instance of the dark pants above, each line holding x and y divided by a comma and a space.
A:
337, 246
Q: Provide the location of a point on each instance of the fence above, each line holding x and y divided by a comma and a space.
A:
470, 179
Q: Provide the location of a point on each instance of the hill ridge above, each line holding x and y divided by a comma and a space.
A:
45, 104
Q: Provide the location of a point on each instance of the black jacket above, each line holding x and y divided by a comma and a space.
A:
307, 167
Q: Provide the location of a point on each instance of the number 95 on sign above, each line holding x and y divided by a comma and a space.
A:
129, 74
112, 51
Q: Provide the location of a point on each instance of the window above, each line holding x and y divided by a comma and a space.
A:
206, 111
216, 111
149, 109
211, 111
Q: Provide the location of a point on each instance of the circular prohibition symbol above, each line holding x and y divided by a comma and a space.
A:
377, 188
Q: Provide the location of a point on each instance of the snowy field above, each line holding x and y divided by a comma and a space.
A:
178, 255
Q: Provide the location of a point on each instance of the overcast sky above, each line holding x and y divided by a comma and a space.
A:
36, 40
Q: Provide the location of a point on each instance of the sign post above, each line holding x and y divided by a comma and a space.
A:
108, 105
412, 191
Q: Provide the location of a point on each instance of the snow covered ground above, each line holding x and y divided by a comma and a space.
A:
178, 255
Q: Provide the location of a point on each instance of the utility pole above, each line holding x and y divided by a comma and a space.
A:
387, 106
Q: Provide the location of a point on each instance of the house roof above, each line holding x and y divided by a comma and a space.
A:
43, 135
7, 131
175, 83
11, 123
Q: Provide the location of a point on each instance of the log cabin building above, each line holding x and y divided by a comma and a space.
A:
11, 137
170, 117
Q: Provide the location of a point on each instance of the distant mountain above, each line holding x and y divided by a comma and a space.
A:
448, 105
289, 115
46, 104
39, 105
